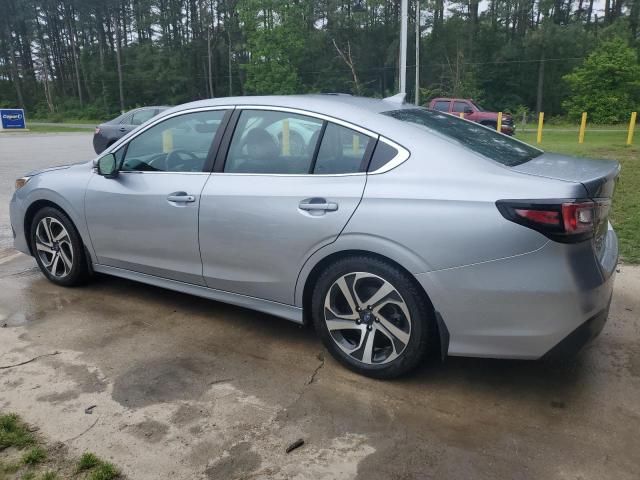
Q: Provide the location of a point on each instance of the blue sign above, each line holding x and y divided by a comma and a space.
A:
13, 118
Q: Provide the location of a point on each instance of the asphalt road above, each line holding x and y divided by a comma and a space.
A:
187, 388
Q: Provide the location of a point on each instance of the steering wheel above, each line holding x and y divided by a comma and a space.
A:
175, 160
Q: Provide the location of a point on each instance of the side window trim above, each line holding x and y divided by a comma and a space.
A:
225, 142
217, 141
221, 157
316, 149
368, 155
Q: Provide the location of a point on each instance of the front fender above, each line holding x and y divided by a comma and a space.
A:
66, 189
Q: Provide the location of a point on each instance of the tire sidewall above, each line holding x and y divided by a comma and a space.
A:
420, 318
79, 267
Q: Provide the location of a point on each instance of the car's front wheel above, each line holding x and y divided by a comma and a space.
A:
58, 248
371, 316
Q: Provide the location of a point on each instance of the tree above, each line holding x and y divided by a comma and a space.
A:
606, 85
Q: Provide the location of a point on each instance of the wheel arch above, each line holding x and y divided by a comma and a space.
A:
31, 212
442, 333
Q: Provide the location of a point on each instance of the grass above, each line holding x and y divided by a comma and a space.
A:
14, 433
98, 469
607, 145
66, 120
87, 461
46, 129
34, 456
38, 463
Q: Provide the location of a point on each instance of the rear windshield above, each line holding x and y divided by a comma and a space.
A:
482, 140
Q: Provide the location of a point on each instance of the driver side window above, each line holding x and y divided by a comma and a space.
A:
179, 144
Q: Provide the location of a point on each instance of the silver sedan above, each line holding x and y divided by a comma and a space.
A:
394, 230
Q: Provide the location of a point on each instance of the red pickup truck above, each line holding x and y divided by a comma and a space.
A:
473, 112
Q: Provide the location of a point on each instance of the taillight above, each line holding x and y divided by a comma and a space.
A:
564, 220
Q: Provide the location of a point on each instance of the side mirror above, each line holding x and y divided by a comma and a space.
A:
468, 111
107, 166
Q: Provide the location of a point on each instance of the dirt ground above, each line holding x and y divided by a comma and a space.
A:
186, 388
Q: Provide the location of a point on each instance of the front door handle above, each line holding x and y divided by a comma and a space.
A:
181, 197
311, 204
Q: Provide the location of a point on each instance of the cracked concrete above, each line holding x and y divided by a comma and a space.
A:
187, 388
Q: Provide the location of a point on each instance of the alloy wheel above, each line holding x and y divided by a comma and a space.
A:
54, 247
367, 318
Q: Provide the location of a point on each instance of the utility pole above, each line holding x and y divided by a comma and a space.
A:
404, 7
417, 52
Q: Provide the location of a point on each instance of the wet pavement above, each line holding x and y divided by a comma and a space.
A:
188, 388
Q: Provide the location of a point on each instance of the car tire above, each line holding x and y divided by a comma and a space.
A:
58, 248
383, 331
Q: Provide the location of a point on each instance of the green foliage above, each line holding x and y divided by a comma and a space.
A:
504, 55
275, 38
87, 461
34, 456
97, 468
13, 433
49, 475
606, 85
104, 471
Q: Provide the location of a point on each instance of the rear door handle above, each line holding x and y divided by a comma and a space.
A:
311, 204
181, 197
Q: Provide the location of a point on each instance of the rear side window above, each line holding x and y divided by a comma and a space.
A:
341, 151
460, 107
142, 116
382, 155
272, 142
441, 106
482, 140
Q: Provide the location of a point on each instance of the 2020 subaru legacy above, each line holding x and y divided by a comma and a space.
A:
394, 230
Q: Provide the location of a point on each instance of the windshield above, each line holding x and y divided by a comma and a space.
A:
482, 140
480, 109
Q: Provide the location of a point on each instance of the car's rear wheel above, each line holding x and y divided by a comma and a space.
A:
58, 248
371, 316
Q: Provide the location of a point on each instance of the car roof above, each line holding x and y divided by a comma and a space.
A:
328, 103
352, 109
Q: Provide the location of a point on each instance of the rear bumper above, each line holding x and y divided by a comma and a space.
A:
509, 129
525, 306
580, 337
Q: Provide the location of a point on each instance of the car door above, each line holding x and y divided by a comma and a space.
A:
146, 218
285, 184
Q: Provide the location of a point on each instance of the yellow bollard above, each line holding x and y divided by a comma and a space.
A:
355, 143
461, 115
583, 126
632, 126
286, 147
499, 125
167, 141
540, 123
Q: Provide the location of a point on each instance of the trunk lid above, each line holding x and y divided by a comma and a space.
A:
598, 177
